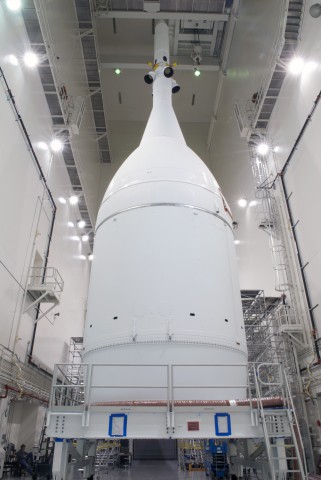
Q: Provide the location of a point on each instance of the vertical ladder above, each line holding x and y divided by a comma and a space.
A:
282, 437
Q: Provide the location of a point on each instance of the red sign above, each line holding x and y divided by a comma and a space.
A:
193, 426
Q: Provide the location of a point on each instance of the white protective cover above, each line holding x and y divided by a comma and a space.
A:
164, 287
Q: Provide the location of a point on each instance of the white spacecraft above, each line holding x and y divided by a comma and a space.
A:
164, 287
164, 344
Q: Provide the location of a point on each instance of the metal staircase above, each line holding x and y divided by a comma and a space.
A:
107, 455
283, 442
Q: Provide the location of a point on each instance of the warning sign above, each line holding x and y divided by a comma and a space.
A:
193, 426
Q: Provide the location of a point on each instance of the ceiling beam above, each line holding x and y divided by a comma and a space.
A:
213, 67
136, 15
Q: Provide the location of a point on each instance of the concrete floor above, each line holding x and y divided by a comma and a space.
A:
153, 470
143, 470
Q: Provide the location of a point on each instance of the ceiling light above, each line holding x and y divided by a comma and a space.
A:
82, 257
296, 65
81, 223
85, 238
237, 242
70, 224
253, 203
75, 238
13, 4
262, 148
13, 60
315, 10
117, 71
56, 145
73, 200
30, 59
62, 200
197, 72
90, 257
242, 202
42, 146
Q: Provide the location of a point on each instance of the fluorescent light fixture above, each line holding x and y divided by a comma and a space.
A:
42, 146
85, 238
117, 71
242, 202
56, 145
296, 65
262, 148
82, 257
90, 257
13, 60
75, 238
73, 200
237, 242
70, 224
13, 4
30, 59
81, 223
62, 200
197, 72
253, 203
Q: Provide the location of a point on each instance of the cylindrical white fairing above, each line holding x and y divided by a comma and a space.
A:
163, 286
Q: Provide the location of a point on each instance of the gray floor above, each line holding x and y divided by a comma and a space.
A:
141, 470
153, 470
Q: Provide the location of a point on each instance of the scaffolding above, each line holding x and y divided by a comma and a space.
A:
191, 454
107, 456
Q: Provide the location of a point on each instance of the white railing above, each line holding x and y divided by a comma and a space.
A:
48, 278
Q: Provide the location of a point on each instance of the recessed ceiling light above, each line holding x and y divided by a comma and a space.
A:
262, 148
13, 4
42, 146
296, 65
315, 10
90, 256
237, 242
62, 200
56, 145
81, 223
30, 59
13, 60
117, 71
242, 202
197, 72
73, 200
70, 224
85, 238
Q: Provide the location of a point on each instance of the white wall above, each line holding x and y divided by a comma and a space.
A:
252, 45
25, 220
303, 177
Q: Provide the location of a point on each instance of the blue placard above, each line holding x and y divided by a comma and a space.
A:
222, 424
117, 425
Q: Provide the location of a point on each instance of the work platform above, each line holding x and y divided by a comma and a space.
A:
90, 410
45, 286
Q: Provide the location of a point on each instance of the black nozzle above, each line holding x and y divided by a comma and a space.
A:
168, 72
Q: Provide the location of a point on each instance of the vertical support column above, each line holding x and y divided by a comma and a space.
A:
60, 460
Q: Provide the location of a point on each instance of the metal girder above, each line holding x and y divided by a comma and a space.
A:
136, 15
140, 63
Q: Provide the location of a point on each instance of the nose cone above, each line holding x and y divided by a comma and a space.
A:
163, 170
